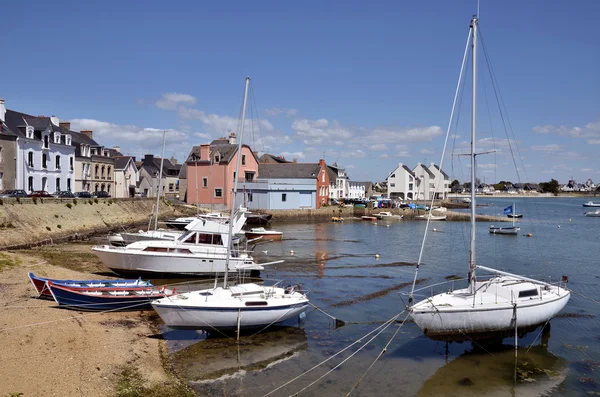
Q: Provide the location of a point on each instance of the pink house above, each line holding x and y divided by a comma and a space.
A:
211, 172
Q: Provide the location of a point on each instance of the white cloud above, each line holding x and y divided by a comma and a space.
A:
277, 111
315, 132
426, 151
294, 155
223, 124
546, 148
354, 154
170, 100
378, 147
486, 166
384, 156
349, 167
590, 130
403, 134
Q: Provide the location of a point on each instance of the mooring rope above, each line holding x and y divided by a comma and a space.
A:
384, 325
378, 356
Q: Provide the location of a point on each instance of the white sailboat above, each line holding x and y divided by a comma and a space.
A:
508, 230
228, 307
504, 302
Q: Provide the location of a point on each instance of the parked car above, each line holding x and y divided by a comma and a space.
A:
141, 194
13, 193
101, 194
63, 194
40, 193
83, 195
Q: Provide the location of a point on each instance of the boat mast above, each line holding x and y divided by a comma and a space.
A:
235, 182
472, 265
162, 160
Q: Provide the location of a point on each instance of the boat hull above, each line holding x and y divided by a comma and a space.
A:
39, 283
509, 231
121, 261
265, 236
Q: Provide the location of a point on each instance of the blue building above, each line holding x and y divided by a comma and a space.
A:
281, 187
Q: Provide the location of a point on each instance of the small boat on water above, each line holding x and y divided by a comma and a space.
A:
431, 217
509, 230
387, 215
591, 204
261, 232
368, 218
593, 213
94, 299
253, 218
39, 283
337, 219
514, 215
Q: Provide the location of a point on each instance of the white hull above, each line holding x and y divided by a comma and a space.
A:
593, 213
123, 260
458, 315
220, 309
431, 217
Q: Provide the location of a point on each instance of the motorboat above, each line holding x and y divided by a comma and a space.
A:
124, 238
261, 232
201, 250
431, 217
509, 230
368, 218
591, 204
593, 213
387, 215
181, 222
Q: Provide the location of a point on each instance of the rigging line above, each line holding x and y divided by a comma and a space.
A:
584, 296
538, 335
443, 153
390, 321
347, 358
378, 356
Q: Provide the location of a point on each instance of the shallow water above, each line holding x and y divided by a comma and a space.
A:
337, 263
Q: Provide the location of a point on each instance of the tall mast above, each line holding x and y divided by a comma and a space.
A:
162, 160
473, 119
235, 182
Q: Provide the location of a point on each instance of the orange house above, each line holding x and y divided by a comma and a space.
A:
211, 172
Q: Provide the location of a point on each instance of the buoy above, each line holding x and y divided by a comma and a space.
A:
434, 229
387, 225
569, 219
376, 255
292, 252
529, 235
559, 226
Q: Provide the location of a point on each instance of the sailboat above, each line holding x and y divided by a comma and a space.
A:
231, 307
509, 230
502, 303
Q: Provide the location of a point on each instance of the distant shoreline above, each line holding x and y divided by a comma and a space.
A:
539, 195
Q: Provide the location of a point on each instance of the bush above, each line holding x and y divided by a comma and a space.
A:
55, 215
74, 202
34, 200
96, 200
48, 228
90, 202
18, 200
1, 202
59, 226
69, 205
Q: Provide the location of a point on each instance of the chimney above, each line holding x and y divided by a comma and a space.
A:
55, 120
65, 124
87, 133
232, 138
173, 160
322, 162
117, 148
148, 159
204, 152
2, 111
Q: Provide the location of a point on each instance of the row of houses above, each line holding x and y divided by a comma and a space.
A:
420, 183
270, 182
43, 153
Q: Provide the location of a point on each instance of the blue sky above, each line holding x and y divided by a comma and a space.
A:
369, 85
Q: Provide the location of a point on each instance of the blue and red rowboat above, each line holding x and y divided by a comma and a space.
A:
111, 298
39, 283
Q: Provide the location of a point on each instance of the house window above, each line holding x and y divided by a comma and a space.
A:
392, 185
46, 144
218, 192
217, 158
69, 184
108, 189
243, 159
108, 171
283, 196
68, 140
97, 168
234, 176
30, 184
204, 182
58, 184
44, 183
57, 162
323, 176
96, 187
410, 186
102, 171
249, 197
393, 176
71, 163
29, 132
171, 187
56, 138
249, 176
0, 154
44, 161
30, 159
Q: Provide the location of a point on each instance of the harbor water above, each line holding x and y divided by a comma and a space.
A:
359, 272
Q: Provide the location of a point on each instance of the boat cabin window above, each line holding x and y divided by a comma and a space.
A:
528, 292
209, 239
257, 303
189, 237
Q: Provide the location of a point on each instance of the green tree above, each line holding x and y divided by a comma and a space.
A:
454, 183
550, 187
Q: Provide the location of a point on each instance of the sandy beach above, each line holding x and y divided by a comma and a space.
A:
48, 351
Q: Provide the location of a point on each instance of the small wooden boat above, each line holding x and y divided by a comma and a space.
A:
39, 283
368, 218
593, 213
508, 230
257, 219
591, 204
257, 232
431, 217
514, 215
94, 299
337, 219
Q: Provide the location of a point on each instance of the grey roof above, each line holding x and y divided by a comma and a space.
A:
122, 161
289, 170
183, 171
431, 175
152, 166
272, 159
17, 122
222, 146
408, 170
443, 173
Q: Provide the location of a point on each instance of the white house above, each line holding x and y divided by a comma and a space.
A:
126, 176
441, 183
45, 157
401, 183
338, 182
